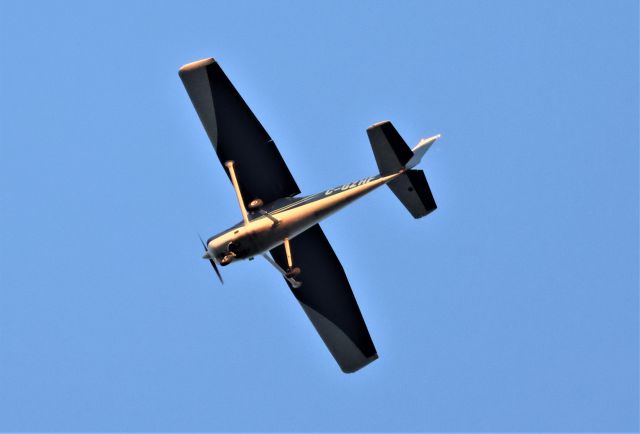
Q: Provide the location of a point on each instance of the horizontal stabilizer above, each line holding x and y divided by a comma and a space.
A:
389, 148
413, 191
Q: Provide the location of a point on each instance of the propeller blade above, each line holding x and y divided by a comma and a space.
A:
202, 242
215, 268
213, 263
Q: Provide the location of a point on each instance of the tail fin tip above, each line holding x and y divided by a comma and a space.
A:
420, 149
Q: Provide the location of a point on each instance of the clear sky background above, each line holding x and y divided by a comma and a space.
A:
514, 306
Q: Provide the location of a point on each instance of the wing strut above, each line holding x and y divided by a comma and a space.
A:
230, 165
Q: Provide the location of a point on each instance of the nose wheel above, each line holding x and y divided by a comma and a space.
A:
227, 258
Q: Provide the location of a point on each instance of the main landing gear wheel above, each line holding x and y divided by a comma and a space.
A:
292, 272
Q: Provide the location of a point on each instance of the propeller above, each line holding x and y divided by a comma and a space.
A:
213, 263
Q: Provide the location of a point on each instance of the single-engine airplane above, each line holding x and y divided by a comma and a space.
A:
282, 226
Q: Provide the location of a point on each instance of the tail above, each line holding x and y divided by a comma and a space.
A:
392, 155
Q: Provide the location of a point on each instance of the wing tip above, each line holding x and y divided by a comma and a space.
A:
196, 65
355, 368
378, 124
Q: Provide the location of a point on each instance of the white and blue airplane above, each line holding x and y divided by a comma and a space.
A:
282, 226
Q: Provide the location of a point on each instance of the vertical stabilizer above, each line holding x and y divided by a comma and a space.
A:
421, 148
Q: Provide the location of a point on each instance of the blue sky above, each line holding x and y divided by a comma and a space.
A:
513, 307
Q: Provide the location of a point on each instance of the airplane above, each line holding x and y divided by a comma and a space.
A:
282, 226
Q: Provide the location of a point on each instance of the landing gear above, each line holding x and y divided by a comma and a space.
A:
227, 258
231, 254
291, 272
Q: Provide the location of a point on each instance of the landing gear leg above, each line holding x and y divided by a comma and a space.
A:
291, 270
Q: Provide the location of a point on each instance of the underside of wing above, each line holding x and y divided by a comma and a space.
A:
327, 299
236, 134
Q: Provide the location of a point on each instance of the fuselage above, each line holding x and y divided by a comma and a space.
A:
294, 216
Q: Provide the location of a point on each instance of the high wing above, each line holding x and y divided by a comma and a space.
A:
327, 299
236, 134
